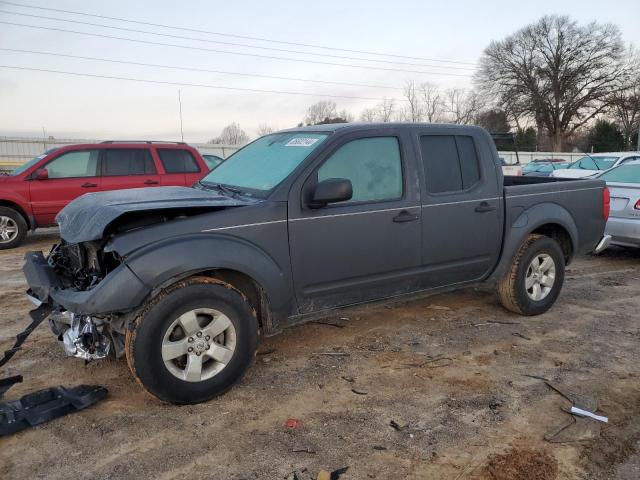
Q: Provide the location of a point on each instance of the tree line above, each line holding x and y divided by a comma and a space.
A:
556, 84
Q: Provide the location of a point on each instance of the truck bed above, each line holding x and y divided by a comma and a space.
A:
581, 199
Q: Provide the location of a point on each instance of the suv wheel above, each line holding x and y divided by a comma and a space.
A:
535, 279
13, 228
193, 341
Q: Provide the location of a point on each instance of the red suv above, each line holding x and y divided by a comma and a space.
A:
32, 195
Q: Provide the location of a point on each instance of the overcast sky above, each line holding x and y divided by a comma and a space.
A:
81, 107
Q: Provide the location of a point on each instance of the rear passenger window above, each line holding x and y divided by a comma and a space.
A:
450, 162
372, 165
127, 161
178, 161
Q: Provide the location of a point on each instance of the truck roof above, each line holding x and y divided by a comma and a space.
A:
333, 127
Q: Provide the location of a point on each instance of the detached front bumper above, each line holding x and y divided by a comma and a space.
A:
120, 291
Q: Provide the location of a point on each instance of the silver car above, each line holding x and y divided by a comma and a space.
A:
624, 220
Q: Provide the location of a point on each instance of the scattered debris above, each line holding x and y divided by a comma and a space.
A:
523, 464
517, 334
45, 405
379, 447
266, 352
432, 362
304, 450
293, 423
359, 392
438, 307
323, 475
396, 426
332, 354
348, 379
577, 427
324, 322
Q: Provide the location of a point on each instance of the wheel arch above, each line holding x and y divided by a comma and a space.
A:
548, 219
19, 209
242, 264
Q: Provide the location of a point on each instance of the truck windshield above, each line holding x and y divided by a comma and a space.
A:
266, 162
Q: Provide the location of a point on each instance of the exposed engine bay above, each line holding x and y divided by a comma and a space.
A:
81, 267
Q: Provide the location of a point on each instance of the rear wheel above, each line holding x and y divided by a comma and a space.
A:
13, 228
535, 279
193, 341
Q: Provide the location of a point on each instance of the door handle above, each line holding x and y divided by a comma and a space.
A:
89, 185
484, 207
151, 182
405, 216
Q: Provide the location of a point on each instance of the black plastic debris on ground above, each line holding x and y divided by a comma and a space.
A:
45, 405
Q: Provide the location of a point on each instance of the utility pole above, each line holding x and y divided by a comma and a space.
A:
180, 107
44, 140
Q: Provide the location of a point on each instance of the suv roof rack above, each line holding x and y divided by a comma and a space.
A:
143, 141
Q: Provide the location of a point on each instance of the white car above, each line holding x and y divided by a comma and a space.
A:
595, 163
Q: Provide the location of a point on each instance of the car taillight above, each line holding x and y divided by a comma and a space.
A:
606, 203
637, 205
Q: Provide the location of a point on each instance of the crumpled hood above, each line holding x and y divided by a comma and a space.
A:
86, 218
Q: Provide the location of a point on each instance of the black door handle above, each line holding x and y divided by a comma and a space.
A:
151, 182
89, 185
405, 216
484, 207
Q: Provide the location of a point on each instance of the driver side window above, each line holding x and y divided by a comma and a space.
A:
75, 164
373, 165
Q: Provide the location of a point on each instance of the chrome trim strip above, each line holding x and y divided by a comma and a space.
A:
353, 213
242, 226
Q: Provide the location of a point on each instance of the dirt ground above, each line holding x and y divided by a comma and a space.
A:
429, 388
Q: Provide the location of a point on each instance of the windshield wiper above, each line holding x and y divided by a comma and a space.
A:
223, 188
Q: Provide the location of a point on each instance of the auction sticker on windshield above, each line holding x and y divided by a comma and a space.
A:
301, 142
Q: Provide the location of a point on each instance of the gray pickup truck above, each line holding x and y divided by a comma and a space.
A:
183, 281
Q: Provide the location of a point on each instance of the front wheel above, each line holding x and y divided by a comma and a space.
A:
13, 228
193, 341
535, 279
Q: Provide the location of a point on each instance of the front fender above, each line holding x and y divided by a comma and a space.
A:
158, 263
519, 223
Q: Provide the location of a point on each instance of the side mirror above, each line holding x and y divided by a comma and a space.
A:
331, 190
42, 174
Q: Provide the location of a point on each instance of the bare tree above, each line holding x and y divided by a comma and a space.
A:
346, 116
412, 111
386, 110
264, 129
382, 112
626, 112
317, 112
231, 135
558, 73
432, 102
369, 115
462, 106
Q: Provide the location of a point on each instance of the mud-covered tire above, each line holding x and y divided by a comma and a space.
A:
512, 289
147, 340
13, 228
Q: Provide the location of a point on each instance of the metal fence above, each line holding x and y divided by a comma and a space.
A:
15, 151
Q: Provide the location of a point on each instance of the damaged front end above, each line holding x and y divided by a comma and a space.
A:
84, 315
